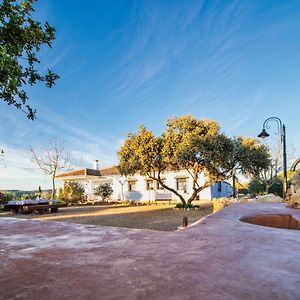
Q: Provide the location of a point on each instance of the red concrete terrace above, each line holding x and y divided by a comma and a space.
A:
219, 257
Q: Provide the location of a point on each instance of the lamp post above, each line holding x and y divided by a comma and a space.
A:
281, 131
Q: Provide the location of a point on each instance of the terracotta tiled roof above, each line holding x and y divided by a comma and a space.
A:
72, 173
110, 171
91, 172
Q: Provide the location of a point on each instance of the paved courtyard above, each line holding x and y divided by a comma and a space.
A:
218, 257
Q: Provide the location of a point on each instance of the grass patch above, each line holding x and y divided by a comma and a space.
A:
155, 217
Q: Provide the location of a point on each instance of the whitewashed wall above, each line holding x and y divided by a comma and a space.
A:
141, 193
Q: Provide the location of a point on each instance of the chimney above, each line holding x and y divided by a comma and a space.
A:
95, 164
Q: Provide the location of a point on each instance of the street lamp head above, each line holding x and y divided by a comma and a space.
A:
263, 134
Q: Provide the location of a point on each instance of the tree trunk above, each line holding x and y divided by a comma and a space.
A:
177, 194
193, 196
267, 189
197, 191
169, 189
53, 188
182, 200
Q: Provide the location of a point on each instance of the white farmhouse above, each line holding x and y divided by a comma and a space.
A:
141, 188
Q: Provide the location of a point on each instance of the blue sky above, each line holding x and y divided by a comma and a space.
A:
126, 63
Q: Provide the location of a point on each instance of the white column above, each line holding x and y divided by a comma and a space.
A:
91, 190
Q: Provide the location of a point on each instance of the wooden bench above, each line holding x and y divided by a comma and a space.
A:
163, 200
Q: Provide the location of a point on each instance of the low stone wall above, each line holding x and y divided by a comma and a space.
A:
293, 194
220, 203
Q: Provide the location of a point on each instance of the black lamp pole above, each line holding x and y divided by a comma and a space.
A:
281, 131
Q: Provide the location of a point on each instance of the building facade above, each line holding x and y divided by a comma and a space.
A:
142, 189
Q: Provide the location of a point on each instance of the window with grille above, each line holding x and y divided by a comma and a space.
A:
149, 184
181, 184
131, 186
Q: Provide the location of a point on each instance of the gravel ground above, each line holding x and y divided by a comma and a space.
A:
155, 217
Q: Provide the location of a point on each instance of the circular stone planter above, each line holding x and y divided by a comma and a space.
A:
273, 220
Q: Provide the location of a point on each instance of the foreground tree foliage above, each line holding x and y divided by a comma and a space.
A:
21, 38
194, 145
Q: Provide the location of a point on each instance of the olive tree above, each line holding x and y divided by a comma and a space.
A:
21, 38
197, 146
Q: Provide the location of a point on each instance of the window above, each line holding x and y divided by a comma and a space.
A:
158, 186
181, 184
149, 184
131, 186
219, 186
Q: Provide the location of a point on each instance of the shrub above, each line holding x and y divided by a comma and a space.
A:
27, 196
277, 187
179, 205
256, 187
189, 206
5, 197
104, 190
220, 203
46, 195
72, 192
186, 206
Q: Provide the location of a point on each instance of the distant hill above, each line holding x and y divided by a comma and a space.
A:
18, 193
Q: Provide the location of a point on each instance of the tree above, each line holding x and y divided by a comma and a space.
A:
256, 186
104, 190
27, 196
269, 177
196, 146
39, 192
21, 38
266, 178
52, 160
72, 192
5, 197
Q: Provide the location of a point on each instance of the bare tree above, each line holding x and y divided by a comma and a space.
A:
268, 176
52, 160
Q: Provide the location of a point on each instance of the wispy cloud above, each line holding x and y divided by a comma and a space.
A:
16, 170
154, 60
